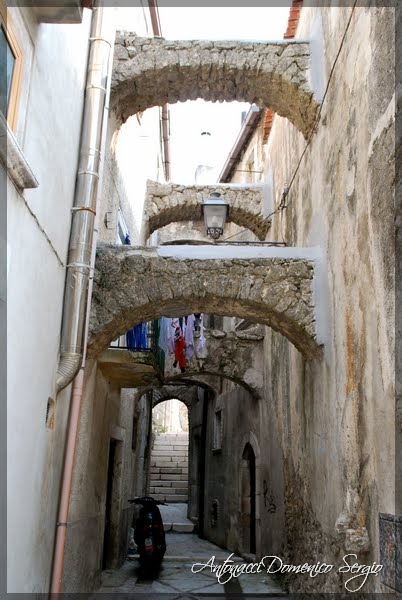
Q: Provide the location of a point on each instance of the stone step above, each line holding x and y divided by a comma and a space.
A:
169, 444
170, 477
164, 456
169, 490
170, 497
163, 483
172, 436
177, 470
162, 477
165, 462
170, 486
169, 453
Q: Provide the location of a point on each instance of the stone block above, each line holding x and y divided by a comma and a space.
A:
176, 498
163, 490
162, 462
172, 470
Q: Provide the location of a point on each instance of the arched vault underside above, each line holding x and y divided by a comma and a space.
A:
167, 203
234, 356
152, 71
186, 394
132, 285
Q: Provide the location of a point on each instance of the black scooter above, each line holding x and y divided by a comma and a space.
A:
149, 536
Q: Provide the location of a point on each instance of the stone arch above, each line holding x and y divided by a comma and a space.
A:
170, 202
232, 355
174, 410
133, 285
152, 71
185, 394
195, 375
168, 391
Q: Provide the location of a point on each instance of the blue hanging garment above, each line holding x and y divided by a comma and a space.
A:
130, 339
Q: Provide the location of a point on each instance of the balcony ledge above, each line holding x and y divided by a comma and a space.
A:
13, 160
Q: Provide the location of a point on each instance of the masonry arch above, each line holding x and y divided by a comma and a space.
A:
134, 285
167, 203
170, 416
185, 394
152, 71
193, 376
184, 391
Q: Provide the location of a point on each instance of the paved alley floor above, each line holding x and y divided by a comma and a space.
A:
177, 581
174, 517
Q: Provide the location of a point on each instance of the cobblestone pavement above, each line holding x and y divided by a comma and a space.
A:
177, 581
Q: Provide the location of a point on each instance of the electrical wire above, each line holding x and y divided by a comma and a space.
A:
282, 203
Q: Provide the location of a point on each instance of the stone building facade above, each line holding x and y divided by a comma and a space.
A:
292, 424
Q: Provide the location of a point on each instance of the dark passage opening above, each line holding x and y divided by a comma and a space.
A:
107, 537
248, 507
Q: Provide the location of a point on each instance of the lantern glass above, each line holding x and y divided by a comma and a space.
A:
215, 212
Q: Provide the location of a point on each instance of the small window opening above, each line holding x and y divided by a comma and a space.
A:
217, 441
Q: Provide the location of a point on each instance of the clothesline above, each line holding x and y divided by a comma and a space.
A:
177, 337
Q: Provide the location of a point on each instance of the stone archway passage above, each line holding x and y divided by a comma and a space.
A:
186, 394
232, 355
152, 71
132, 285
170, 202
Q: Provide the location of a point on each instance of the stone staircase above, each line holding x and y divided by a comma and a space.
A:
169, 467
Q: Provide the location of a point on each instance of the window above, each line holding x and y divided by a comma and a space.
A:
10, 68
122, 234
217, 442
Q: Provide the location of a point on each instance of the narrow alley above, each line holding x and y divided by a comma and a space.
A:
201, 286
186, 551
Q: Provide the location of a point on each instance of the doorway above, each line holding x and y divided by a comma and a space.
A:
110, 536
248, 500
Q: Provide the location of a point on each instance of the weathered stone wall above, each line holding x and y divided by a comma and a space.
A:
335, 418
170, 202
106, 413
132, 285
240, 424
132, 155
151, 71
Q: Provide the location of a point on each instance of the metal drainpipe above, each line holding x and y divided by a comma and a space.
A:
99, 37
156, 29
84, 208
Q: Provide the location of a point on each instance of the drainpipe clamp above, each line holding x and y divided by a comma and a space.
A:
78, 208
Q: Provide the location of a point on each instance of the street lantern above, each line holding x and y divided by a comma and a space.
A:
215, 210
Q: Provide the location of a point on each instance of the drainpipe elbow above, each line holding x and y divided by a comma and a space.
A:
68, 368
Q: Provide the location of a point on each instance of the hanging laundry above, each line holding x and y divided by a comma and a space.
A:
130, 339
137, 337
201, 339
164, 325
189, 337
144, 336
179, 345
